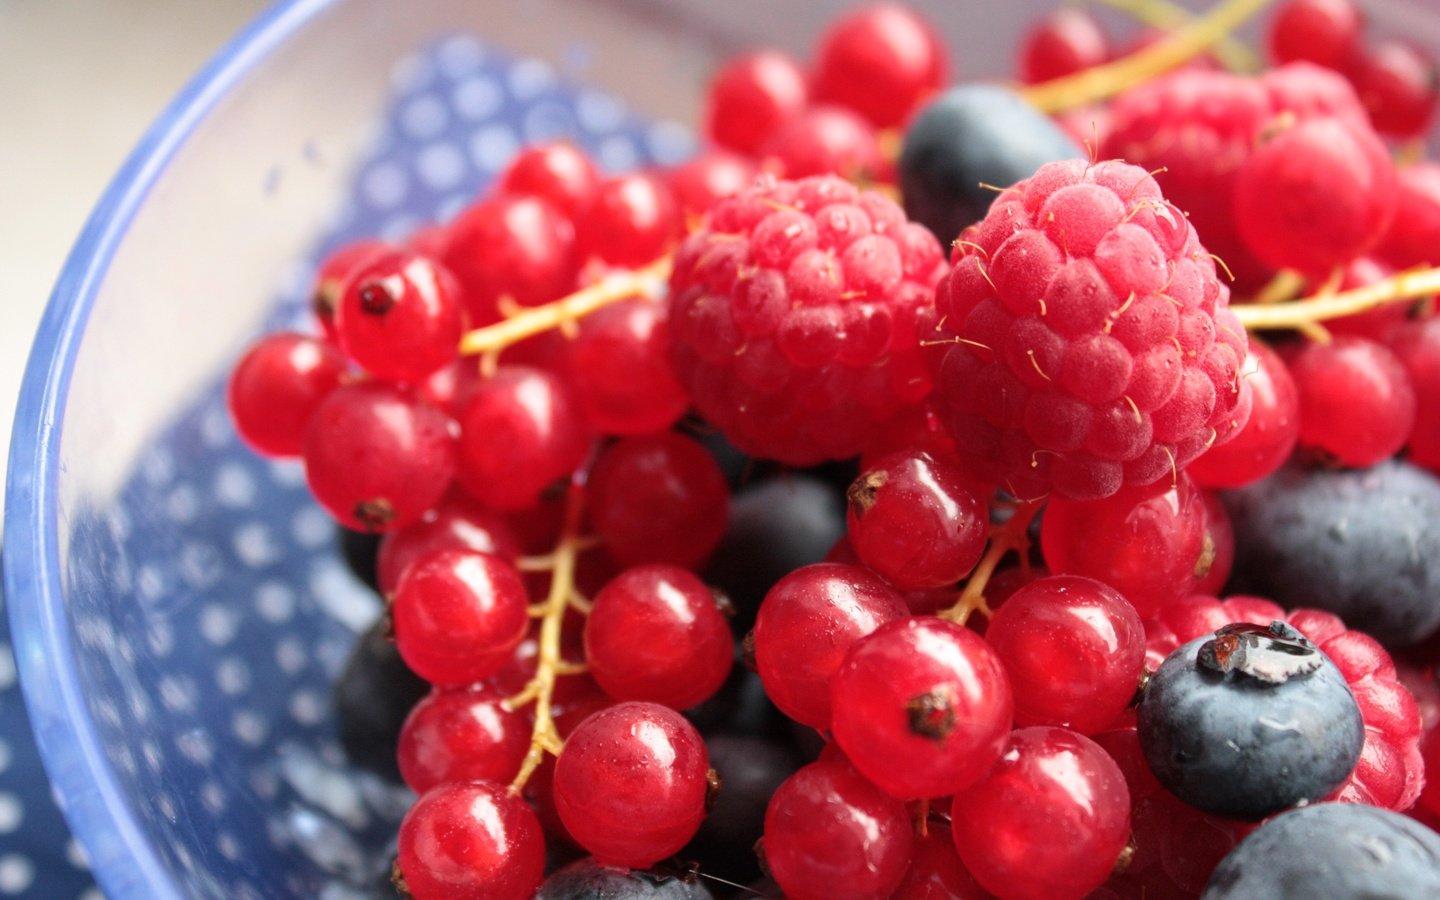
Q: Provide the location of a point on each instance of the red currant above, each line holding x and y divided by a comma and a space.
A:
631, 783
471, 840
276, 387
459, 615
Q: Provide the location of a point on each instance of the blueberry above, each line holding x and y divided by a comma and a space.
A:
371, 698
776, 526
1340, 851
1249, 721
1358, 543
751, 770
586, 879
971, 136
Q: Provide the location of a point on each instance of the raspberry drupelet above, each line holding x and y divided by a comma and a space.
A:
794, 317
1084, 342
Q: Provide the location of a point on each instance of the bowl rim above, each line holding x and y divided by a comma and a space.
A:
88, 788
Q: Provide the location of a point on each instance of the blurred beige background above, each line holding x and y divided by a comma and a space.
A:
80, 81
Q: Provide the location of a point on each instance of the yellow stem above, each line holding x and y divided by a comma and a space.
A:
544, 737
1307, 311
530, 321
1100, 82
1233, 54
1013, 535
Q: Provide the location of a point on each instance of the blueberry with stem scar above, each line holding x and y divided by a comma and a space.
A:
1250, 721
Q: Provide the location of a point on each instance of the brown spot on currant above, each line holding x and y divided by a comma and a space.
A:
722, 602
932, 714
376, 298
713, 784
1206, 559
374, 514
747, 651
1126, 857
325, 298
397, 878
862, 491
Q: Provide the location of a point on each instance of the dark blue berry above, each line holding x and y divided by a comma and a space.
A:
776, 526
966, 143
1249, 721
1339, 851
586, 879
751, 770
1359, 543
371, 698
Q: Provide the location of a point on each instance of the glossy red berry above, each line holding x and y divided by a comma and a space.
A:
459, 615
1065, 40
1417, 346
921, 706
377, 457
1356, 402
917, 520
1399, 83
457, 522
752, 95
824, 139
1265, 442
631, 783
657, 633
880, 60
471, 840
464, 734
1324, 32
276, 387
627, 385
631, 219
1048, 822
1073, 649
830, 833
334, 274
1316, 195
658, 498
511, 245
1147, 543
558, 172
520, 431
806, 623
399, 317
708, 176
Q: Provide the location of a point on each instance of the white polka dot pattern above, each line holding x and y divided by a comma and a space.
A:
210, 607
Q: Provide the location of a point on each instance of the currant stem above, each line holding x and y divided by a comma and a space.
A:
533, 320
1100, 82
1233, 54
1308, 311
1013, 535
544, 738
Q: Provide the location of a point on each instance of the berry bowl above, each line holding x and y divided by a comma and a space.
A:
180, 606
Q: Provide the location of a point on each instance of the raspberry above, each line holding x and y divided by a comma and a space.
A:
1085, 340
793, 312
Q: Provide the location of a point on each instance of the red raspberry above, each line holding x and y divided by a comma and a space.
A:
794, 317
1085, 340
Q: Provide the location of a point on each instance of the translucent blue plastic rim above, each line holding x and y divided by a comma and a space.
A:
126, 866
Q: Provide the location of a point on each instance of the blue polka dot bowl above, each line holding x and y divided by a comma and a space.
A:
179, 606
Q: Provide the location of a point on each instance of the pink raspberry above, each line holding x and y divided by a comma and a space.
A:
793, 311
1084, 341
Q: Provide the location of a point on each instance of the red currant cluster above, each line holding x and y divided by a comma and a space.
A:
1058, 424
